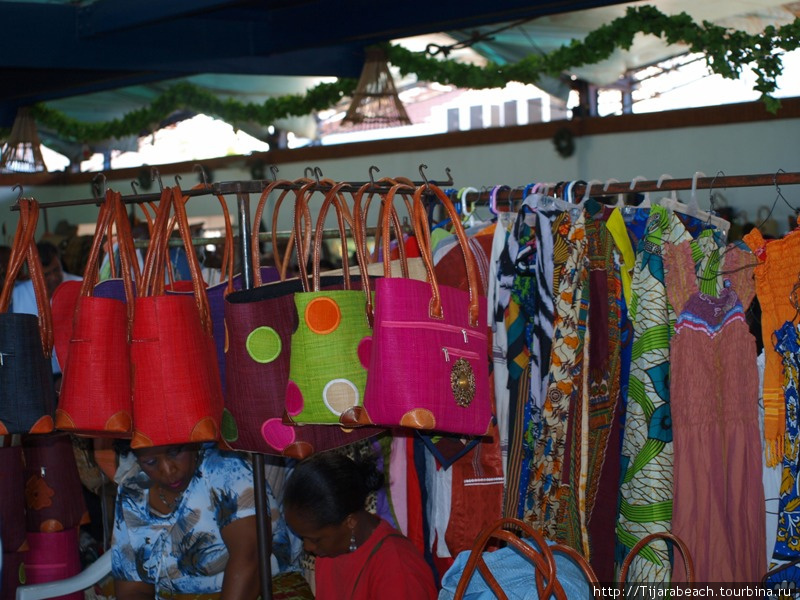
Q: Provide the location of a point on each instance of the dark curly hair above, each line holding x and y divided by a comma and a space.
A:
329, 486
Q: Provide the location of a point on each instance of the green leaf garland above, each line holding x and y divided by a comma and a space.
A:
727, 53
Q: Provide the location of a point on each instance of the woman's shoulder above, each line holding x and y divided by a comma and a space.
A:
387, 535
225, 463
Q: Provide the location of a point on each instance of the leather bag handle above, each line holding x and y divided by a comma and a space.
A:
422, 231
23, 250
333, 197
387, 215
281, 262
542, 559
200, 296
664, 535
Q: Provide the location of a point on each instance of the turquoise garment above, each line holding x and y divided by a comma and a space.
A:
184, 552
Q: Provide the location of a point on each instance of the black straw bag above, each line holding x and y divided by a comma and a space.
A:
27, 391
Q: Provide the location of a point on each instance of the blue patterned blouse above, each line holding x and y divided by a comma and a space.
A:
184, 552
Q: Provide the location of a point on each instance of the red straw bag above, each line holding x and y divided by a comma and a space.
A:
27, 392
177, 394
96, 395
428, 364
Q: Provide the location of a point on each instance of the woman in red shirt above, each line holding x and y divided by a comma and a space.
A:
359, 555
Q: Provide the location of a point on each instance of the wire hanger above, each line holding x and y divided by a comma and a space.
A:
778, 196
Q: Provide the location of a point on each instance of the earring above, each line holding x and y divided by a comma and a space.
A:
353, 546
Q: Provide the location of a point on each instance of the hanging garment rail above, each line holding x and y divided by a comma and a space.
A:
225, 188
507, 196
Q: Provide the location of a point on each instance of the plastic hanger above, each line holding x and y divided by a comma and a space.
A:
493, 197
673, 194
468, 216
620, 203
569, 196
645, 203
693, 210
588, 189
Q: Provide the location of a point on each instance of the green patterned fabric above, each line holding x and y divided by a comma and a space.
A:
329, 356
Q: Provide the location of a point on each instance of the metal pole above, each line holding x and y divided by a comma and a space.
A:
263, 513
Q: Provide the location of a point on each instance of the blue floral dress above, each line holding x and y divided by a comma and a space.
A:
183, 552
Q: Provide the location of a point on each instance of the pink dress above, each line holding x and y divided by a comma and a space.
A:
718, 505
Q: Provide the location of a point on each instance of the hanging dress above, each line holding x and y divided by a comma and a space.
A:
787, 544
775, 275
718, 500
546, 493
646, 489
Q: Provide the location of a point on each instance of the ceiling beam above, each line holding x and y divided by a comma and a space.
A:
108, 16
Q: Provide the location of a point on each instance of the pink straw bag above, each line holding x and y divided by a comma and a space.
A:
428, 364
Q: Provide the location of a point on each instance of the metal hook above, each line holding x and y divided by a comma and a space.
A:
201, 170
98, 191
178, 181
318, 174
21, 191
134, 185
155, 175
449, 176
371, 178
422, 174
308, 172
274, 170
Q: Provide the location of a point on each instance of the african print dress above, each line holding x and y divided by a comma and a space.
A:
646, 489
787, 543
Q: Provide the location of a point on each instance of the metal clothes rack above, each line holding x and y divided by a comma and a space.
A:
242, 190
508, 195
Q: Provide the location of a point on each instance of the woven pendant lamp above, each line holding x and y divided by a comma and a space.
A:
22, 152
375, 102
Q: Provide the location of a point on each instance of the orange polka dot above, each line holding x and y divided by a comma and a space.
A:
322, 315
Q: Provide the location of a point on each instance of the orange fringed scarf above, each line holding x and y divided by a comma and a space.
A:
776, 275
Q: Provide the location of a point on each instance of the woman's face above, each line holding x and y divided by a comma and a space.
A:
326, 541
170, 467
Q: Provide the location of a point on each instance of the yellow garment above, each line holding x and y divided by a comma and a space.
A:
616, 226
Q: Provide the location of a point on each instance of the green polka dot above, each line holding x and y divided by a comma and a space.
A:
263, 344
230, 432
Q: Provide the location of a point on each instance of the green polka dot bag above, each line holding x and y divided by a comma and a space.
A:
330, 347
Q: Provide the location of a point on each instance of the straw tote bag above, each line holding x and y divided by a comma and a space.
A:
96, 395
527, 562
27, 392
177, 393
259, 323
53, 490
428, 366
328, 362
